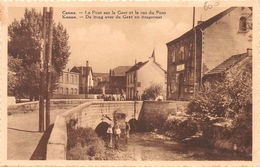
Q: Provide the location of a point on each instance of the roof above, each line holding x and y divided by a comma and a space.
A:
206, 23
227, 64
104, 76
120, 70
79, 69
137, 66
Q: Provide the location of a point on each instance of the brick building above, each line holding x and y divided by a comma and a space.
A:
117, 79
204, 47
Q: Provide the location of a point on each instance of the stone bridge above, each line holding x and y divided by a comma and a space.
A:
91, 114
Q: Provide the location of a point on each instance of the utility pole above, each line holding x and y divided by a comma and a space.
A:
195, 55
42, 73
49, 67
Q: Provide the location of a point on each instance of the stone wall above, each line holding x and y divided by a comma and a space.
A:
57, 143
155, 113
92, 113
55, 103
88, 114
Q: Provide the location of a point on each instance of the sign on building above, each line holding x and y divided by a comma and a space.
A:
180, 67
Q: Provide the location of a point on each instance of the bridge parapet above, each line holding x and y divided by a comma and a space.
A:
90, 114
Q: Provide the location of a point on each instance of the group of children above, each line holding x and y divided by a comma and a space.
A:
117, 133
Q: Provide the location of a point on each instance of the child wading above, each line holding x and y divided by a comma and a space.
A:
117, 136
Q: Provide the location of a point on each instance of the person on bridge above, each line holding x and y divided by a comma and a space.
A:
127, 129
110, 133
117, 136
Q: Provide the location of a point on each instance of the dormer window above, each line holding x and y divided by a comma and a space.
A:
242, 24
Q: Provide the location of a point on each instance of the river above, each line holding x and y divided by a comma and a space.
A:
153, 147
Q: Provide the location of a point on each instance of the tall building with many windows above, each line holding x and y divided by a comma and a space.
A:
204, 47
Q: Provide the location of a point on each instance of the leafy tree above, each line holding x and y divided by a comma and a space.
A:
152, 91
24, 46
226, 97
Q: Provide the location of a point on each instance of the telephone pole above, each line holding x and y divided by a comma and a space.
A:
195, 55
42, 73
49, 67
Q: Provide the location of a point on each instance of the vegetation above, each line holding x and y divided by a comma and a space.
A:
152, 91
24, 39
226, 100
179, 128
84, 144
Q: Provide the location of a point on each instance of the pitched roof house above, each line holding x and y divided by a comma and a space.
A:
202, 48
85, 78
142, 75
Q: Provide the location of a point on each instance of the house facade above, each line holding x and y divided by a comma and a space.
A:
117, 79
68, 83
204, 47
86, 81
141, 76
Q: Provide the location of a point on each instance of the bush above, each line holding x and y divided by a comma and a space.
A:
179, 128
152, 92
84, 144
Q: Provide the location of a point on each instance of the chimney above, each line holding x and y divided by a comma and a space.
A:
86, 63
135, 61
249, 52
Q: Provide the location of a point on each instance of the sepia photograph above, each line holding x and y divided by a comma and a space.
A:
139, 83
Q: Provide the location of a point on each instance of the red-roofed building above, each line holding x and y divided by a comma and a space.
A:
203, 48
142, 75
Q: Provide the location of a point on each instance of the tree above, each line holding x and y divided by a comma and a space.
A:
227, 97
152, 91
24, 45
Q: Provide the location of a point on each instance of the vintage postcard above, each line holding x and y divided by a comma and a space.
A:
150, 83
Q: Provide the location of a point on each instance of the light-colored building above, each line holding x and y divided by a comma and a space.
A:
68, 83
142, 75
86, 81
201, 49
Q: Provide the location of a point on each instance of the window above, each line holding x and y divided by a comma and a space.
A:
61, 79
173, 87
182, 53
67, 78
72, 79
61, 90
67, 91
75, 91
173, 56
76, 79
242, 24
71, 91
191, 89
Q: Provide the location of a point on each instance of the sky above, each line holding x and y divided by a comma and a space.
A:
108, 43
